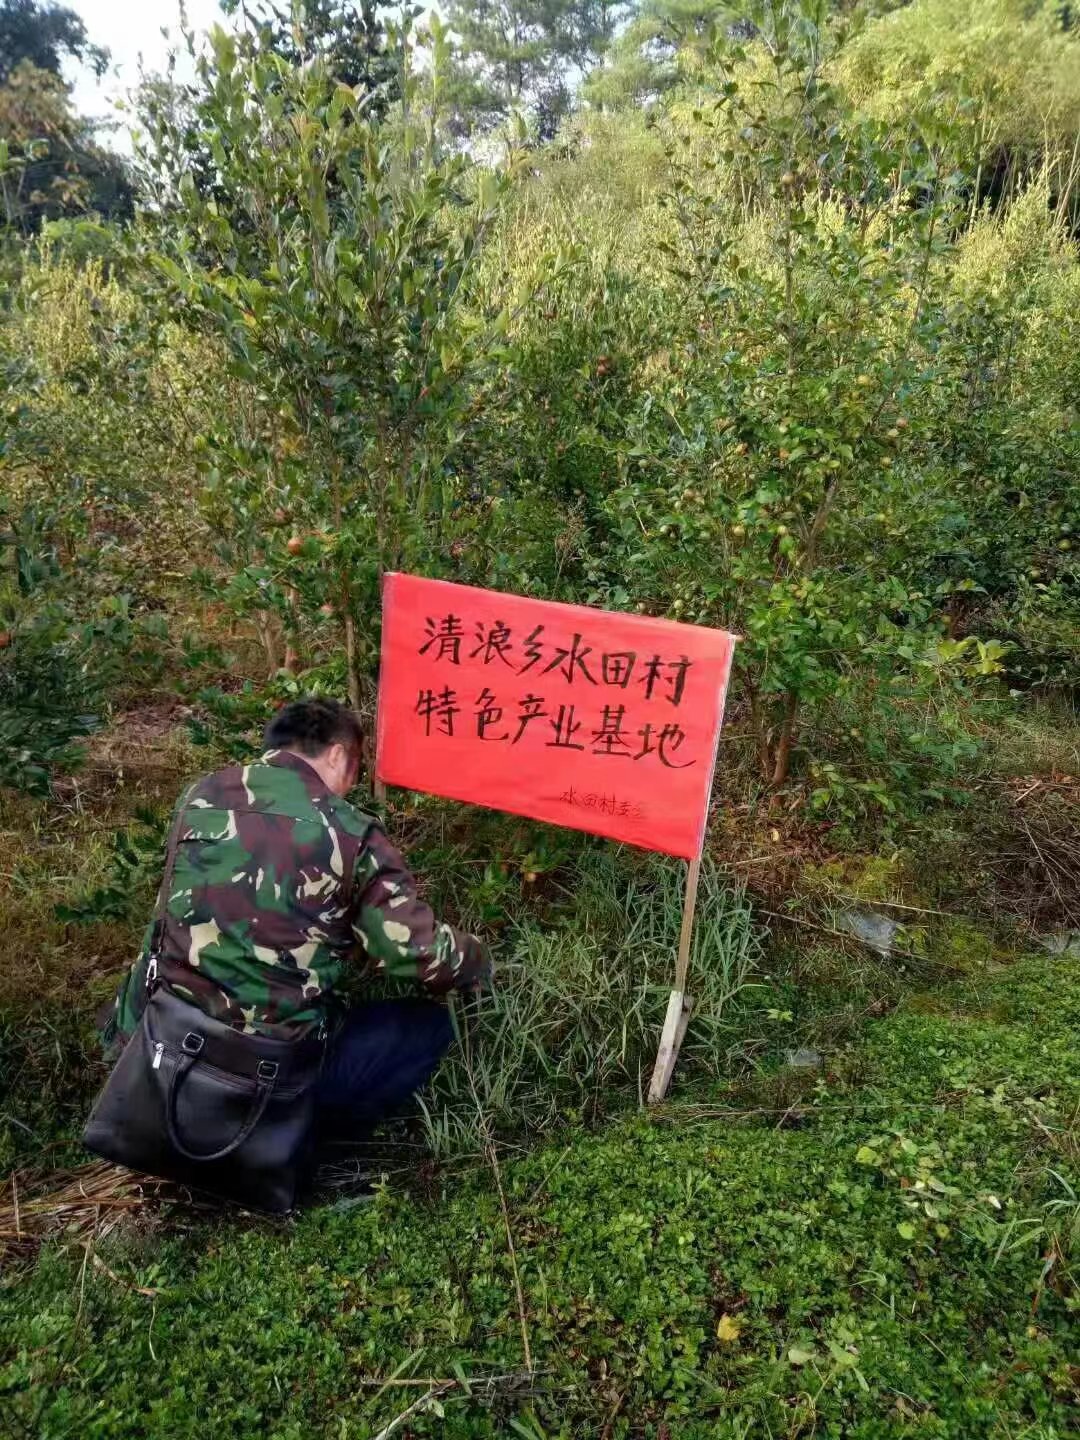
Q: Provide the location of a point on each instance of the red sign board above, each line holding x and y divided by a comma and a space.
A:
587, 718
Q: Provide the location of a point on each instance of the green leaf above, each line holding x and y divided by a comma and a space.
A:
798, 1356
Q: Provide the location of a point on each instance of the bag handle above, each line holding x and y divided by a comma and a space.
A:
264, 1088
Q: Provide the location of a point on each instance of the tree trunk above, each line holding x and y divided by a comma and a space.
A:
784, 742
292, 653
352, 670
350, 663
267, 639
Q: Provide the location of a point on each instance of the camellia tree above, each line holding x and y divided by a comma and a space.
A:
328, 263
806, 246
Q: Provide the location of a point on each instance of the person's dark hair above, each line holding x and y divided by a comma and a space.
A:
312, 726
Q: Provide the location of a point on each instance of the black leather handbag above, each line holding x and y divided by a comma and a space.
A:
195, 1100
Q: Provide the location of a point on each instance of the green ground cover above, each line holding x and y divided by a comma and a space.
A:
885, 1253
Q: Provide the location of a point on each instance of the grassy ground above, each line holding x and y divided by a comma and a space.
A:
880, 1244
885, 1254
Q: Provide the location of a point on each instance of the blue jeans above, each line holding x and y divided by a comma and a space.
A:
382, 1053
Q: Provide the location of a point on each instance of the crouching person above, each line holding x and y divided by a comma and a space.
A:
237, 1050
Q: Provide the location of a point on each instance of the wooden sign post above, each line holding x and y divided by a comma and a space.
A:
592, 719
679, 1003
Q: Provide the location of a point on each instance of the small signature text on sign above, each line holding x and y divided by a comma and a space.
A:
602, 804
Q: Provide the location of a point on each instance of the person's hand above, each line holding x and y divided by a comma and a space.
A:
482, 983
481, 967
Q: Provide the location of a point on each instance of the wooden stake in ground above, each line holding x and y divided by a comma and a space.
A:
679, 1003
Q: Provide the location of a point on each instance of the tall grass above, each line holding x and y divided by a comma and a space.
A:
571, 1027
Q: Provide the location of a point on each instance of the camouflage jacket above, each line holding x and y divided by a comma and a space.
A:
277, 882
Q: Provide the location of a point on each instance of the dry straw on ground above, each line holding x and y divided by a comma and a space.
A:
89, 1200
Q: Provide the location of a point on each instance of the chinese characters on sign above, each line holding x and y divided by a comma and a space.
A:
594, 719
611, 738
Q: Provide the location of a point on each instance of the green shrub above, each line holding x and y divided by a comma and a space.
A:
57, 676
43, 716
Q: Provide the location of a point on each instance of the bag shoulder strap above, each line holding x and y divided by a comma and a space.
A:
160, 910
